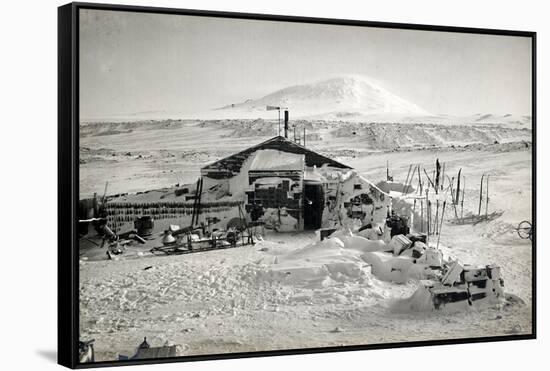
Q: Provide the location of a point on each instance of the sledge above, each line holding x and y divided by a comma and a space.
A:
476, 219
189, 242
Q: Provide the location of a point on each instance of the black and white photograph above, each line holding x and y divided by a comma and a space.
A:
207, 185
255, 185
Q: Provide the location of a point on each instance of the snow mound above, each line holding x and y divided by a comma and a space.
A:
345, 257
328, 271
397, 269
421, 301
318, 265
363, 245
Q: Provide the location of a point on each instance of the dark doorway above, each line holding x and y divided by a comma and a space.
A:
314, 202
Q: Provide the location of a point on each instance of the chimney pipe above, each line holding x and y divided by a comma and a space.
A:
286, 123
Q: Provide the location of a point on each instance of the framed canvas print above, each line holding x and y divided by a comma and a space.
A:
238, 185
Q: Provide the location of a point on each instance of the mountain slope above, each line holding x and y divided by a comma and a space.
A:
339, 97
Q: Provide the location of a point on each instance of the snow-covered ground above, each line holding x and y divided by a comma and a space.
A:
242, 300
280, 294
138, 156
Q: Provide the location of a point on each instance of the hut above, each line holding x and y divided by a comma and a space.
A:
294, 188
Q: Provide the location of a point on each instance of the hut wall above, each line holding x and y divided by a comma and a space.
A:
349, 198
286, 192
121, 215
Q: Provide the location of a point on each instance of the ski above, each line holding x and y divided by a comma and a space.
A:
480, 195
457, 197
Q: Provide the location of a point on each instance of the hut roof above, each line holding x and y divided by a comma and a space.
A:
231, 165
271, 160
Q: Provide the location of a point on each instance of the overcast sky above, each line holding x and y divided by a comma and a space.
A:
139, 62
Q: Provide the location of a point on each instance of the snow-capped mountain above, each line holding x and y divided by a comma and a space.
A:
345, 97
349, 98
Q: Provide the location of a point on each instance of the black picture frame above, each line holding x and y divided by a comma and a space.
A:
68, 179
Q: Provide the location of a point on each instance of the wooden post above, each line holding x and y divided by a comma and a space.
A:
105, 193
436, 215
421, 216
443, 176
411, 179
286, 124
95, 206
427, 217
437, 177
441, 224
457, 197
452, 197
419, 180
487, 199
414, 207
429, 180
407, 179
279, 130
